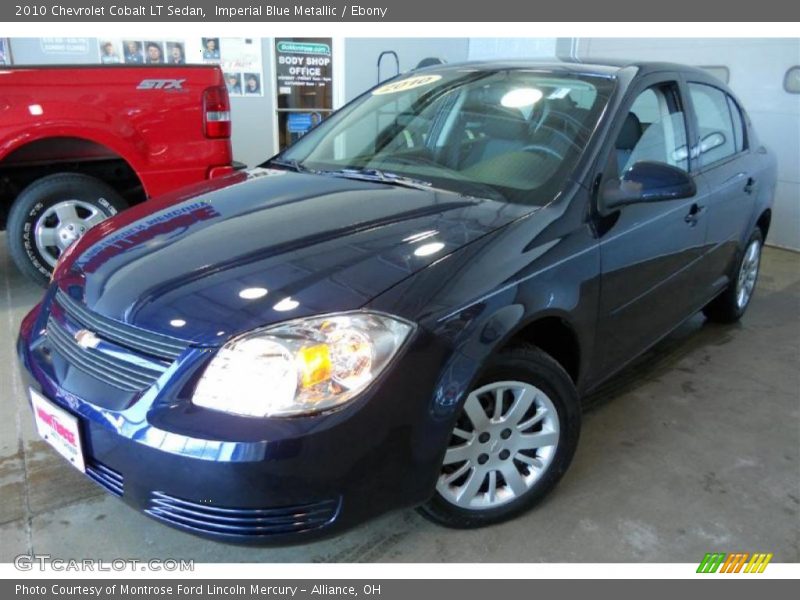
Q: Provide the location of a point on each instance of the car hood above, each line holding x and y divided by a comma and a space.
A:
267, 246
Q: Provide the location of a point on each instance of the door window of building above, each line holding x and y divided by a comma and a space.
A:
303, 85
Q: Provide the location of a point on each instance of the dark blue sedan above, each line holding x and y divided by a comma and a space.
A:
405, 307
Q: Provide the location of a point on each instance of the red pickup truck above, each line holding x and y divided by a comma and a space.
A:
78, 144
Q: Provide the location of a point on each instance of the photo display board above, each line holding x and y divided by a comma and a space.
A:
239, 58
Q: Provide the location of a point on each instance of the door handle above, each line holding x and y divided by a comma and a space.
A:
694, 214
750, 185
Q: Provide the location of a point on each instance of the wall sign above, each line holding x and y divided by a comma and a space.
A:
52, 50
303, 85
303, 74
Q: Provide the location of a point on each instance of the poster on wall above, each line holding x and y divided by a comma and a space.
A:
114, 51
51, 50
110, 52
240, 60
175, 52
304, 85
5, 52
48, 51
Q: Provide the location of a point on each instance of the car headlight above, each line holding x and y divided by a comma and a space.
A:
302, 366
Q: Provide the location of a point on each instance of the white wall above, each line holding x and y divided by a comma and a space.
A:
361, 58
361, 55
499, 48
252, 117
757, 68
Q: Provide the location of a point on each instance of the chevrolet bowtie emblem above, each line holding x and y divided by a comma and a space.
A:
86, 339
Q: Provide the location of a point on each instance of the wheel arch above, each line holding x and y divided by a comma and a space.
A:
555, 335
763, 222
30, 158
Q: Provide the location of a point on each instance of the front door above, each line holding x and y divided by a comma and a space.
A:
651, 252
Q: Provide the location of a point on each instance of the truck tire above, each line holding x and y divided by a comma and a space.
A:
52, 213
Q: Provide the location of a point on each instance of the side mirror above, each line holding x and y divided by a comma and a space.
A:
648, 181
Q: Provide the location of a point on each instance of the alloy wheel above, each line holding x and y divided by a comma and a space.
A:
60, 225
748, 273
501, 445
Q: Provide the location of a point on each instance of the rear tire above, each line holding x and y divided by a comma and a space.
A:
53, 212
519, 453
731, 304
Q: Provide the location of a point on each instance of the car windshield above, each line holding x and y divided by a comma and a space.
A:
508, 134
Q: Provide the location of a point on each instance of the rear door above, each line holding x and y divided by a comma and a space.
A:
651, 252
728, 169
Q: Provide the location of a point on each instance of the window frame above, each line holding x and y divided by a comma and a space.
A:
733, 105
671, 95
621, 109
695, 125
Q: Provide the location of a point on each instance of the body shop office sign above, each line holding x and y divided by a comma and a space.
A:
304, 85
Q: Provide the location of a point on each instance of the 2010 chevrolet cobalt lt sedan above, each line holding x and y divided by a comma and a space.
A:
405, 307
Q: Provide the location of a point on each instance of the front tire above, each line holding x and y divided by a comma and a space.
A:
51, 214
511, 444
731, 304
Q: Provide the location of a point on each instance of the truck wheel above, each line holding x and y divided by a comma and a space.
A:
51, 214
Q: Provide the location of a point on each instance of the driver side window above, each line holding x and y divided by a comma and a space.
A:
654, 130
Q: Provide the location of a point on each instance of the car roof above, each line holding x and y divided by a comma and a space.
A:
596, 67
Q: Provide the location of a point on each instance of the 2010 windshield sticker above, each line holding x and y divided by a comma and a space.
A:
406, 84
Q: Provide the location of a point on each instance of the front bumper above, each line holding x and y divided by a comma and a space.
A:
258, 481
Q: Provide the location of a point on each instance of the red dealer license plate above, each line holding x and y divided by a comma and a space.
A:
59, 429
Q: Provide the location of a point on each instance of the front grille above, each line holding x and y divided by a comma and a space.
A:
106, 477
111, 369
158, 345
242, 522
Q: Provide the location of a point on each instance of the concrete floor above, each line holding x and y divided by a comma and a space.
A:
696, 448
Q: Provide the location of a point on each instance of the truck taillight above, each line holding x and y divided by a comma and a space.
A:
217, 112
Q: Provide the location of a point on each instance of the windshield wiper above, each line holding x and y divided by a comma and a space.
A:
481, 190
380, 176
293, 164
362, 174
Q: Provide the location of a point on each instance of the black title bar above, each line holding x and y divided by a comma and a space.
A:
400, 10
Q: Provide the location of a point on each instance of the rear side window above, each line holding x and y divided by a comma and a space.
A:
719, 136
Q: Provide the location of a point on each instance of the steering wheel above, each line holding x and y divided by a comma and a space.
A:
568, 119
415, 159
560, 135
543, 150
